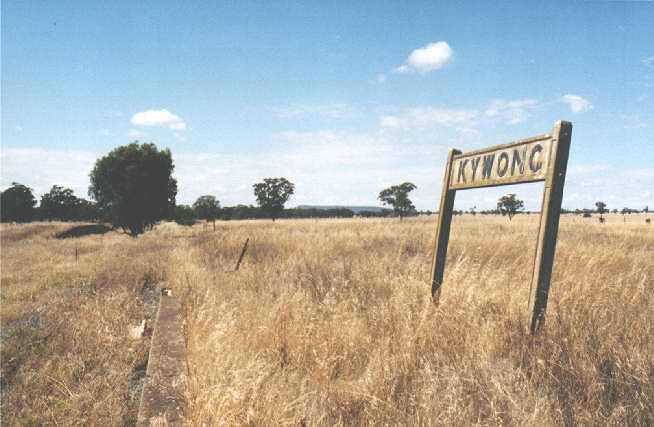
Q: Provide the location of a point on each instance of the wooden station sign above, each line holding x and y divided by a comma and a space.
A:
541, 158
522, 161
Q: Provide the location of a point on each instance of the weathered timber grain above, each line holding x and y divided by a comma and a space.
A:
549, 223
443, 229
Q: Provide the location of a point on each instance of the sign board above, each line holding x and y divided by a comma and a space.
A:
522, 161
541, 158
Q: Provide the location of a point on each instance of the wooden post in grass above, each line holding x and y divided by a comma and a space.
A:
240, 258
549, 223
540, 158
443, 230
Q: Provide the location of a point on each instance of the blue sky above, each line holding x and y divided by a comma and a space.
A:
343, 99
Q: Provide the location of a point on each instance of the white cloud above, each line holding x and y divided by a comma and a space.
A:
160, 118
425, 59
381, 78
424, 117
112, 114
465, 121
511, 112
135, 133
577, 103
41, 168
104, 132
330, 111
328, 167
649, 61
637, 125
587, 169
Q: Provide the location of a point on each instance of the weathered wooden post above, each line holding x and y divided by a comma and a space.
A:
240, 258
549, 223
443, 230
541, 158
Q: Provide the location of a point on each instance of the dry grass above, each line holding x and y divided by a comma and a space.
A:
67, 357
330, 323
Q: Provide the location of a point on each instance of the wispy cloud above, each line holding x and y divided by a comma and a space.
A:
330, 111
635, 122
462, 120
587, 169
511, 112
135, 133
328, 167
577, 103
649, 61
42, 168
112, 114
428, 58
159, 118
424, 117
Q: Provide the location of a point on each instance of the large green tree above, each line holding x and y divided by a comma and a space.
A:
272, 194
133, 184
59, 203
510, 205
207, 208
17, 203
397, 196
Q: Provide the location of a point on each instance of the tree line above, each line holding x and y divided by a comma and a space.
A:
132, 187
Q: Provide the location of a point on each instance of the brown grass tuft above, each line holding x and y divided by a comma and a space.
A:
330, 322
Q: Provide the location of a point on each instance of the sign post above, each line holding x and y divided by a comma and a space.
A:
541, 158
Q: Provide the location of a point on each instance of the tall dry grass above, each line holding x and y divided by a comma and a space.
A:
331, 323
67, 357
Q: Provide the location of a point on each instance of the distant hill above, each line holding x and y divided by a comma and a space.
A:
355, 209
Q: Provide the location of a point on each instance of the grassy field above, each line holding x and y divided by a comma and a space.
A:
330, 322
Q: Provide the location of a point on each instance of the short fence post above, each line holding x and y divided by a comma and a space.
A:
240, 258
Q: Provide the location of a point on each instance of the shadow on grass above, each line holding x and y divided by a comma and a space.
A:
83, 230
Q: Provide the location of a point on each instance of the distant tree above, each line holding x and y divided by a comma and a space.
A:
184, 215
207, 208
133, 184
601, 209
60, 203
272, 194
646, 209
17, 203
86, 210
375, 214
397, 196
510, 205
